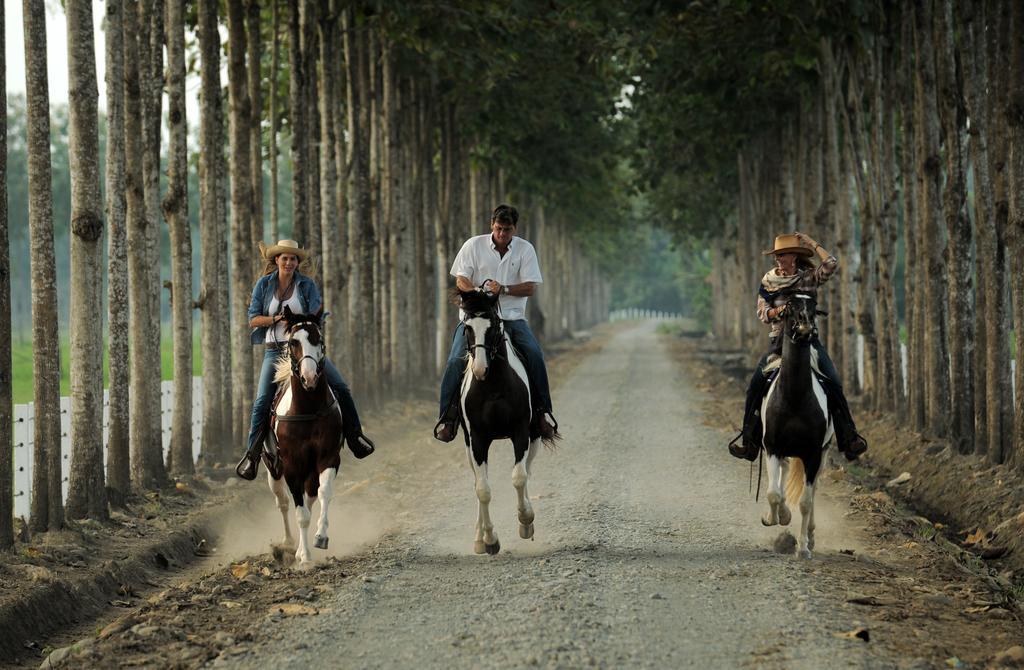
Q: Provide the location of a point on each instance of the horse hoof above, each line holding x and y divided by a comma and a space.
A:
526, 531
493, 549
320, 541
785, 516
804, 553
767, 521
479, 547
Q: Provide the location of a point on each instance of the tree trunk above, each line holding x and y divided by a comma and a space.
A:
150, 77
118, 475
241, 216
936, 368
310, 106
46, 507
255, 126
953, 115
175, 208
275, 65
1015, 122
334, 265
360, 231
297, 119
215, 441
6, 381
86, 493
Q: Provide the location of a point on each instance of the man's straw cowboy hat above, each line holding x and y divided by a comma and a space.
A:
283, 247
789, 244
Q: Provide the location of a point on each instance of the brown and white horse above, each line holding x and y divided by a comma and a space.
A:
306, 424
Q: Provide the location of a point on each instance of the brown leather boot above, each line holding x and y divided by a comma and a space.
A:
448, 426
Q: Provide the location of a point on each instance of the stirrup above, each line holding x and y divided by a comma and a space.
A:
249, 466
742, 450
445, 422
360, 445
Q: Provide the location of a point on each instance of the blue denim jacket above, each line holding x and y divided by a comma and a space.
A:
263, 294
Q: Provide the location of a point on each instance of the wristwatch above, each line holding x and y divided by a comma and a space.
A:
504, 290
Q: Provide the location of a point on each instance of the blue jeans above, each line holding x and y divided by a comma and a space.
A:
265, 396
523, 340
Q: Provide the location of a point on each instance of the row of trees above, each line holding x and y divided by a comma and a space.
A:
893, 133
406, 125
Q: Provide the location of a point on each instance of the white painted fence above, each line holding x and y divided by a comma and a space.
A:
24, 430
636, 314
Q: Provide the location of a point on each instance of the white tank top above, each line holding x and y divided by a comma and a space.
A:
276, 333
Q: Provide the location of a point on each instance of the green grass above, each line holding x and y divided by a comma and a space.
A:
21, 355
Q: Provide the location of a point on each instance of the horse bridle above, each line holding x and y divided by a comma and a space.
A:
296, 364
494, 349
814, 326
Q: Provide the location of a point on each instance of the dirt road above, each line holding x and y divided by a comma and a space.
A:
648, 553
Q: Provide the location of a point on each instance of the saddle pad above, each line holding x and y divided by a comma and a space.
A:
519, 354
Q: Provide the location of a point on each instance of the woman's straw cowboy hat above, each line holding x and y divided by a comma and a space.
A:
789, 244
283, 247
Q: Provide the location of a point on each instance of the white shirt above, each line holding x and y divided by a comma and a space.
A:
478, 260
276, 333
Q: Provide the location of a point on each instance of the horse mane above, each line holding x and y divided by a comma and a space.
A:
282, 368
476, 302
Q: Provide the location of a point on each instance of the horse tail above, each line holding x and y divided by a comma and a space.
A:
551, 443
795, 482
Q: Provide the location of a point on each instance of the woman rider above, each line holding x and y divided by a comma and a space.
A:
794, 271
282, 285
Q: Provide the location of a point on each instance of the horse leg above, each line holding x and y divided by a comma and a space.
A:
280, 491
324, 494
806, 541
806, 545
302, 554
520, 475
486, 539
785, 516
774, 491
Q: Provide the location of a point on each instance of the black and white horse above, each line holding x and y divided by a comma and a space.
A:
307, 426
495, 401
796, 422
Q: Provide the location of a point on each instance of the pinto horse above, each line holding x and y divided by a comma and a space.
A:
495, 401
796, 422
306, 424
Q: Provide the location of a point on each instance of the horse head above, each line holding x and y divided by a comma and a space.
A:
484, 332
800, 314
306, 346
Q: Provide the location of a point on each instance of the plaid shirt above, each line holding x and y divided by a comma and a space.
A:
808, 280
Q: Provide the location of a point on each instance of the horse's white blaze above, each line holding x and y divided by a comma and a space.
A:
280, 491
478, 355
302, 554
324, 494
308, 366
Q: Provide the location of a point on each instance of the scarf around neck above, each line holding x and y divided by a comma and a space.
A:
774, 282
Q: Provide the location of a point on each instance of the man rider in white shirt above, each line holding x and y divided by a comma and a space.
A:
506, 265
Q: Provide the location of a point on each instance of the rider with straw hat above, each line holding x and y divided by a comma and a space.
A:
794, 271
283, 285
